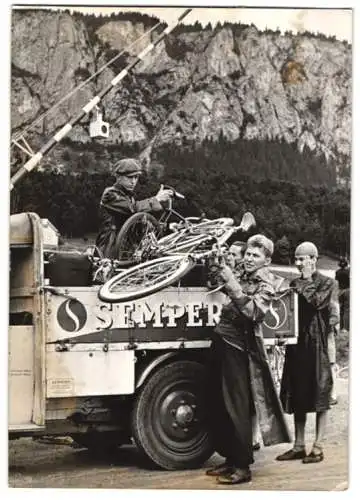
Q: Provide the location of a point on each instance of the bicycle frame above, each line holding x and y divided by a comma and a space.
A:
171, 211
216, 248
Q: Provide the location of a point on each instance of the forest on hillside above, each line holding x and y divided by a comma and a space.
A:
294, 197
94, 22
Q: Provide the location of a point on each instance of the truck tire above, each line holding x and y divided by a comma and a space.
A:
169, 417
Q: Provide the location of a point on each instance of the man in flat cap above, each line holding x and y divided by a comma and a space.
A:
118, 204
240, 376
307, 377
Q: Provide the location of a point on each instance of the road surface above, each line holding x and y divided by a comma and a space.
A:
33, 464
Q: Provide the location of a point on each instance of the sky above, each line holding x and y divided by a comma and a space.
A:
329, 21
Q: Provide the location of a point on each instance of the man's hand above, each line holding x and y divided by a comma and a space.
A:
164, 194
225, 274
220, 271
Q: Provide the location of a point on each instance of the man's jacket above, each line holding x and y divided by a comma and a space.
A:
116, 206
307, 377
240, 326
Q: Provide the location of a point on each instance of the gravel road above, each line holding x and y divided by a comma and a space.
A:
37, 465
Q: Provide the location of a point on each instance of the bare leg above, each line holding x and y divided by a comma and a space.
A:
332, 359
321, 420
299, 421
333, 390
256, 431
298, 450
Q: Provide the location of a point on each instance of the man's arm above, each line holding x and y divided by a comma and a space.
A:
319, 292
154, 204
148, 205
116, 202
254, 306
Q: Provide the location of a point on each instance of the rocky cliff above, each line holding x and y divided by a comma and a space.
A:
200, 83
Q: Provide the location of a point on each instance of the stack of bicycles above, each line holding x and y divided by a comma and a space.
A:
149, 261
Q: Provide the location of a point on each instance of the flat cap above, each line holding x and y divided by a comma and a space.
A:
307, 248
259, 240
127, 166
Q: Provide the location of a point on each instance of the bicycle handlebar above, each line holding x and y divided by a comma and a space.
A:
176, 194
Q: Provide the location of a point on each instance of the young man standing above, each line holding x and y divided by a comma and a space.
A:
307, 378
234, 259
118, 204
239, 368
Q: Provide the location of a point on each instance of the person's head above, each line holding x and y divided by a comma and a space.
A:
305, 253
127, 172
258, 253
235, 254
343, 263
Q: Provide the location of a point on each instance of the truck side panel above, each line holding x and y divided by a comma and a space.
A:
76, 315
89, 370
26, 325
21, 374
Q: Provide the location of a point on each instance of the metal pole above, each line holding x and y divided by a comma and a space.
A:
35, 160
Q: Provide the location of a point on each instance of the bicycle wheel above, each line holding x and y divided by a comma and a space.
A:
146, 278
137, 232
199, 244
183, 243
279, 362
187, 237
276, 356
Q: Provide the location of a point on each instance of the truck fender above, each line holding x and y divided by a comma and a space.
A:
151, 366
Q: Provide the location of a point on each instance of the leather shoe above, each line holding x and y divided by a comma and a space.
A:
313, 458
256, 446
292, 455
220, 470
333, 401
238, 476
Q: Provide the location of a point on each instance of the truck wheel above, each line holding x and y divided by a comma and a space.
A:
168, 418
99, 442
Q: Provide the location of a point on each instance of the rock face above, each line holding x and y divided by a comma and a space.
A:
232, 81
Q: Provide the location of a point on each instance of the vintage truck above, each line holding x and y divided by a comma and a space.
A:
106, 374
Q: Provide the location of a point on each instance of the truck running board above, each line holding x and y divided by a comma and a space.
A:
26, 427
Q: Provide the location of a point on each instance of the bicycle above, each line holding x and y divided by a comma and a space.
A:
153, 275
276, 356
144, 237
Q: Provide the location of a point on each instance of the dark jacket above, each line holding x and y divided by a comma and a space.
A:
342, 276
307, 379
116, 206
240, 326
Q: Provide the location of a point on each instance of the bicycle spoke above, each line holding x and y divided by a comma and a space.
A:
152, 275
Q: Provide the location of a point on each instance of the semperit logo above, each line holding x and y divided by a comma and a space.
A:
277, 315
71, 315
